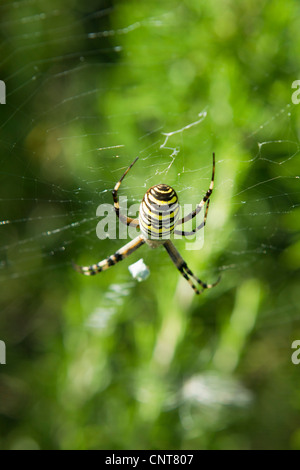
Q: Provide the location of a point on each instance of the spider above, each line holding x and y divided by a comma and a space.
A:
158, 217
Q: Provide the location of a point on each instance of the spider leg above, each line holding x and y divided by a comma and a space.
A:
184, 269
122, 253
184, 233
123, 219
204, 200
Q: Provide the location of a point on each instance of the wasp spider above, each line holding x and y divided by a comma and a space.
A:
158, 217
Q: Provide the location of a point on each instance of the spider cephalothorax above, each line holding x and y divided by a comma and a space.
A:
158, 218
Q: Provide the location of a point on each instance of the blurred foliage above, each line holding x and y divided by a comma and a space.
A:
105, 362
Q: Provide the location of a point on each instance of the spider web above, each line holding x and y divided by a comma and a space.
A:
60, 164
74, 120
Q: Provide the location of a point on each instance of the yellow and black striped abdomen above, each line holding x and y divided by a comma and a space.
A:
159, 212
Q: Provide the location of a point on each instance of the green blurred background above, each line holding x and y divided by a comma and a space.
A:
106, 362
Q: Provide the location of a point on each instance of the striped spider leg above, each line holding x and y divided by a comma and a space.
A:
158, 217
199, 207
119, 255
184, 269
123, 219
